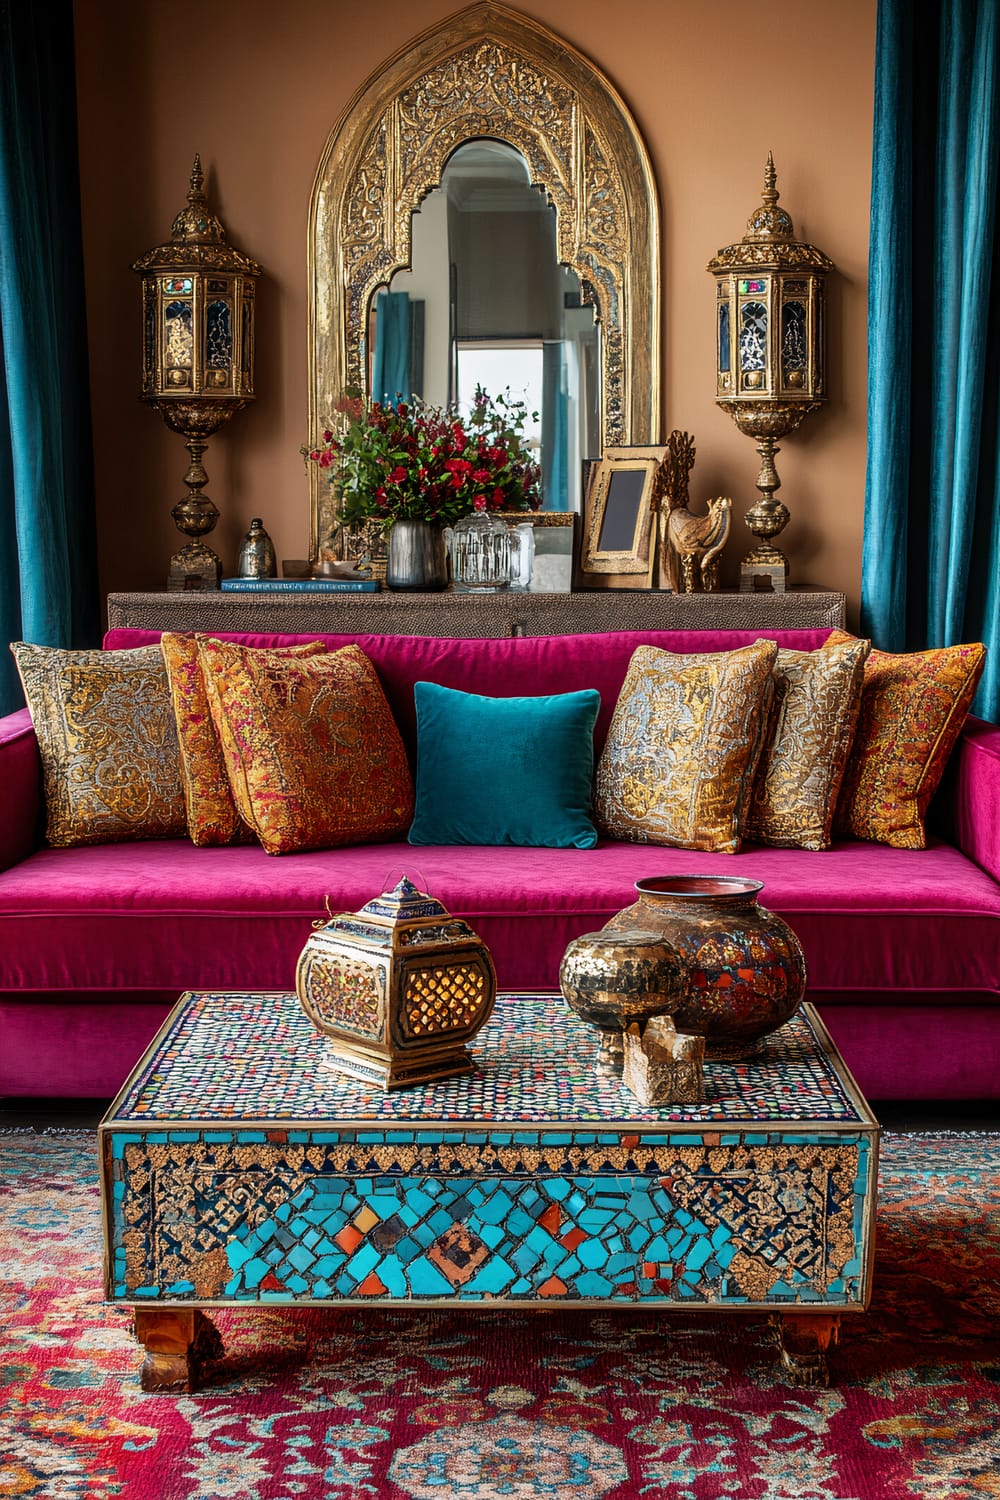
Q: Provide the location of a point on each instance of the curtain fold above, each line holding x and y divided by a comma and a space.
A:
554, 426
391, 362
931, 557
48, 572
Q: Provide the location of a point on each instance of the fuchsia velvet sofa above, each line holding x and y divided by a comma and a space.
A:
903, 947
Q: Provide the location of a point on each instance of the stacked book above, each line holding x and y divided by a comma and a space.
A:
301, 585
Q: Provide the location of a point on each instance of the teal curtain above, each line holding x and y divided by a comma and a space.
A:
391, 363
48, 572
555, 434
931, 559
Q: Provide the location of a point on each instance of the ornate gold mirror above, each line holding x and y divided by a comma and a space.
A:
486, 74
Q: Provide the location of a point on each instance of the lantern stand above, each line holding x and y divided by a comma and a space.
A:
197, 358
769, 341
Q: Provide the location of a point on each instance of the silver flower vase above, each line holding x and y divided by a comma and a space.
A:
417, 560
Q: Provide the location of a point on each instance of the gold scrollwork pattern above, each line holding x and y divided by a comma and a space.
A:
190, 1208
488, 72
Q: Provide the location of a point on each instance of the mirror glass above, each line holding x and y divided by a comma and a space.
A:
486, 303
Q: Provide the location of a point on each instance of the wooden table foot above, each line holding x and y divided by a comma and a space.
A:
179, 1343
805, 1339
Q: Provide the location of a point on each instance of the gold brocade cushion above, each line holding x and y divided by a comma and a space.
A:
108, 744
683, 746
817, 698
913, 707
313, 754
211, 812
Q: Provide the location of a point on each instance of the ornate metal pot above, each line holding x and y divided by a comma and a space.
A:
614, 979
746, 969
417, 561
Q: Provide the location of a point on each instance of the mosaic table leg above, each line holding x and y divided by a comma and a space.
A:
179, 1343
805, 1339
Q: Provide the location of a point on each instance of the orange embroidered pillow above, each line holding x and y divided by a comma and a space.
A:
913, 707
313, 754
683, 746
211, 812
817, 699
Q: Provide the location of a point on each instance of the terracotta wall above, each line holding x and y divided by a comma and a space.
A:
256, 88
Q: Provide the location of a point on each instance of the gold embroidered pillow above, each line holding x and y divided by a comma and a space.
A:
211, 812
913, 707
108, 743
313, 754
817, 698
683, 746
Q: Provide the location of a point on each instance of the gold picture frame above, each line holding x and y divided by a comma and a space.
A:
619, 548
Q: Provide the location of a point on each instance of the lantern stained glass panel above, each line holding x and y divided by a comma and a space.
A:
180, 340
724, 363
793, 341
219, 335
753, 336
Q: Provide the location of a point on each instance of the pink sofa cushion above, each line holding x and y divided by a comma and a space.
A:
509, 667
167, 915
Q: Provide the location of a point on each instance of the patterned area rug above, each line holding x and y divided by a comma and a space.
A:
510, 1406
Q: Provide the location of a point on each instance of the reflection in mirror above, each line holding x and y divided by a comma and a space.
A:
486, 303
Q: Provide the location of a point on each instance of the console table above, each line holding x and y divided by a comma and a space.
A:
236, 1169
488, 615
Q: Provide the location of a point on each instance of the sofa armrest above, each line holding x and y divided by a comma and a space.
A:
972, 792
23, 797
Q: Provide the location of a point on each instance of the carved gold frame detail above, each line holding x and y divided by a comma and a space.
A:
486, 72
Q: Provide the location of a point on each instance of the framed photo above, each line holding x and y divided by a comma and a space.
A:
618, 547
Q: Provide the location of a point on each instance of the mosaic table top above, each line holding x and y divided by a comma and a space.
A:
255, 1058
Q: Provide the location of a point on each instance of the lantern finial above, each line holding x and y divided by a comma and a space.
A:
769, 222
196, 223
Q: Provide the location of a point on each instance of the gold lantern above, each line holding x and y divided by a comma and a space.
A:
769, 337
197, 358
397, 988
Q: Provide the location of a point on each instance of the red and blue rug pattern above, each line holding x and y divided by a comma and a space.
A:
510, 1405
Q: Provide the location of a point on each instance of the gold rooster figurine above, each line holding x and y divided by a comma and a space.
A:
691, 544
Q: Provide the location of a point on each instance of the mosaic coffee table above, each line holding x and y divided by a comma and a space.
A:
237, 1170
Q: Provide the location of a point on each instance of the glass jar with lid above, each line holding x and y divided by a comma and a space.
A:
481, 553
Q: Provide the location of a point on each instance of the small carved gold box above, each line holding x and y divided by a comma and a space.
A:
397, 988
663, 1066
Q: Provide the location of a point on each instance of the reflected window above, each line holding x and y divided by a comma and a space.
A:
487, 302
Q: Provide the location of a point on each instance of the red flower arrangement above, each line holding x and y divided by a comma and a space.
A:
417, 462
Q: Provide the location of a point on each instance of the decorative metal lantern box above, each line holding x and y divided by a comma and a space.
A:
398, 988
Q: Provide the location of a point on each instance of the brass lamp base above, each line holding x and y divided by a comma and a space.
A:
194, 569
764, 571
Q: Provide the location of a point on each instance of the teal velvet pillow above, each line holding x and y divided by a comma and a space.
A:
504, 770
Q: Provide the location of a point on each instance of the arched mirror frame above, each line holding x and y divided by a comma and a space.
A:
486, 72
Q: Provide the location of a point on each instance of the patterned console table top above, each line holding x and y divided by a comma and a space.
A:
244, 1058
